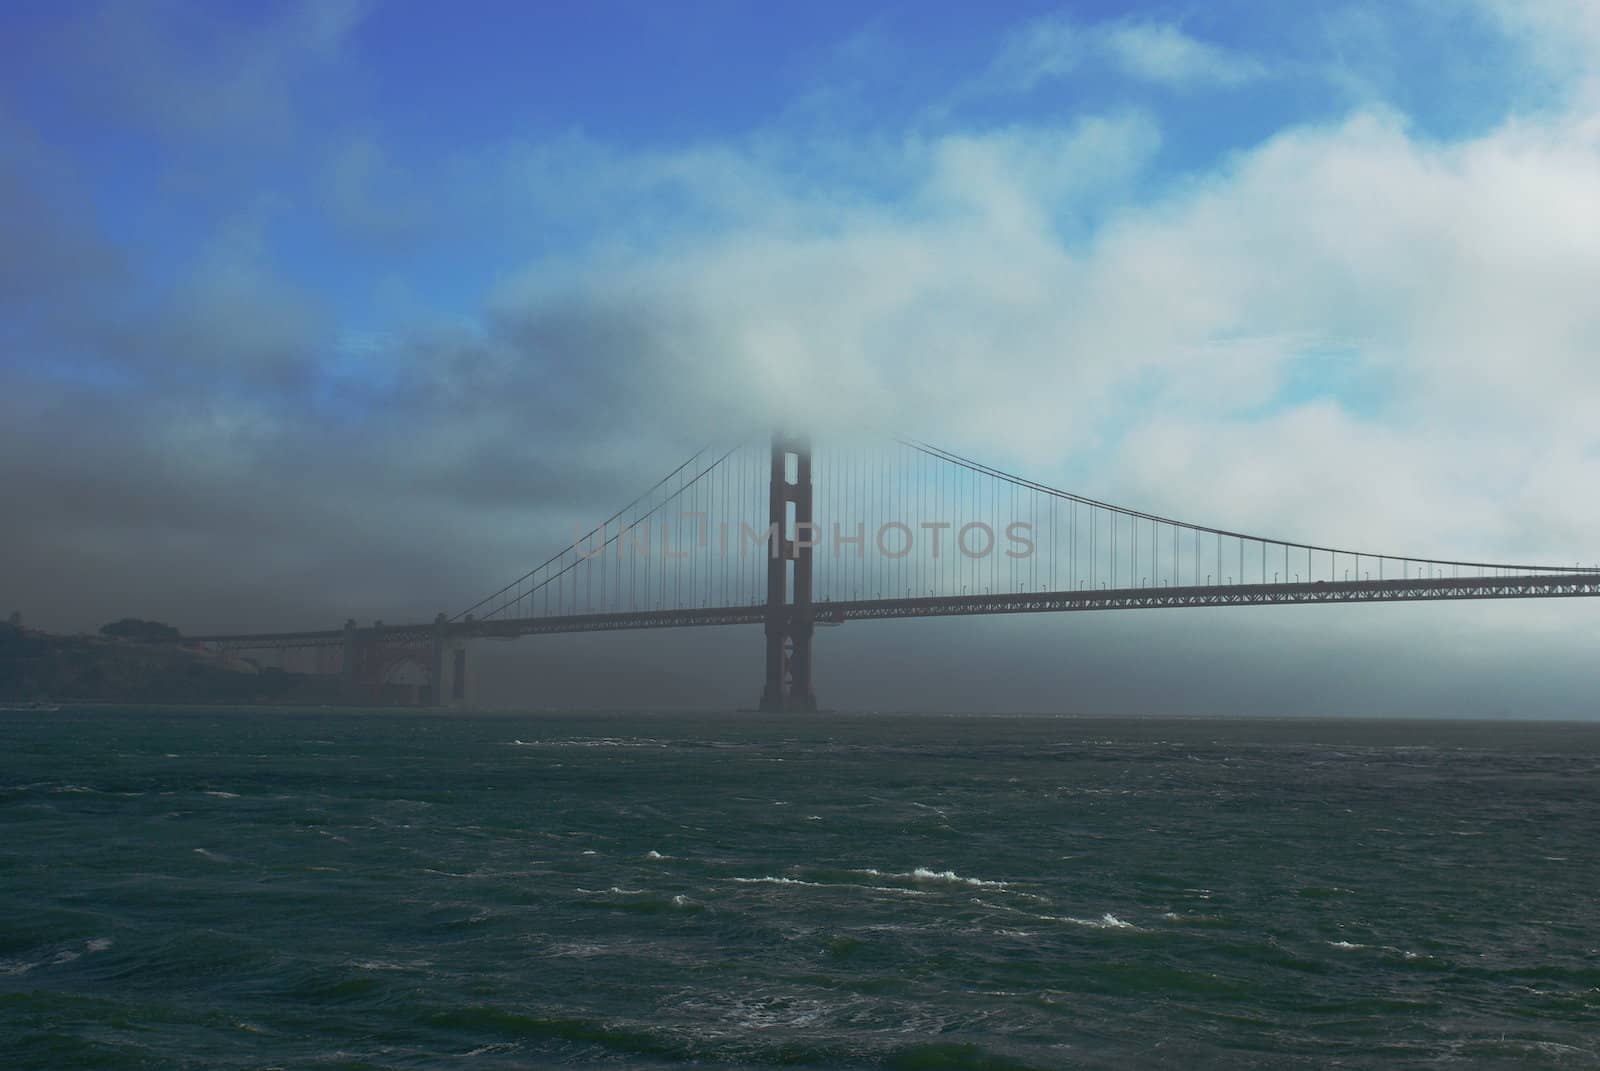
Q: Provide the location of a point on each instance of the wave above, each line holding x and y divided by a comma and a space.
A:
15, 967
771, 880
598, 741
645, 901
928, 874
1212, 921
1107, 921
923, 873
1350, 946
390, 965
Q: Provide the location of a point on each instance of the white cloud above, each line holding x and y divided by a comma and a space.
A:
1563, 36
1042, 50
1158, 338
872, 317
1056, 46
1161, 52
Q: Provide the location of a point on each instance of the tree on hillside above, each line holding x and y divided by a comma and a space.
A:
140, 631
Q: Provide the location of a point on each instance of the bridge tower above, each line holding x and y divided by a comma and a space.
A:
790, 618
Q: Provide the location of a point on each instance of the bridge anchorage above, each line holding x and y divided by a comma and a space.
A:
792, 538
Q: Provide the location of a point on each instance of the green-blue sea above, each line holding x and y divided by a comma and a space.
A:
319, 889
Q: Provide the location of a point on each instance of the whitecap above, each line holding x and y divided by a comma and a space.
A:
603, 741
923, 873
653, 854
619, 891
927, 874
771, 880
493, 1046
1107, 921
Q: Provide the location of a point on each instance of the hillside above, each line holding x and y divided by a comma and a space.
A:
42, 666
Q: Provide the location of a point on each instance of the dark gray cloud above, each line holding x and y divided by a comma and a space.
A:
206, 460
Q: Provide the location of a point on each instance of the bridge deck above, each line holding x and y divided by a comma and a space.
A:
1551, 585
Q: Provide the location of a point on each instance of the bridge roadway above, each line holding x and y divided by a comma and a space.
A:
1538, 585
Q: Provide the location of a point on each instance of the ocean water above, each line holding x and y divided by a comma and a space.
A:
255, 889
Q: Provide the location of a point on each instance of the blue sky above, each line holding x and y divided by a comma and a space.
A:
179, 122
420, 275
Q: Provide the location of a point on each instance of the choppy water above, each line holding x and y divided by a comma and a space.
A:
255, 890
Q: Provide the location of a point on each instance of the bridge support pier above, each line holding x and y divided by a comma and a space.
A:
790, 616
454, 689
352, 666
451, 681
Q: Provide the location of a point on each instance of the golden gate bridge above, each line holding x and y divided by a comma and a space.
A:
793, 538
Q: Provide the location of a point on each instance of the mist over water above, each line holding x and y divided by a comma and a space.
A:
246, 890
